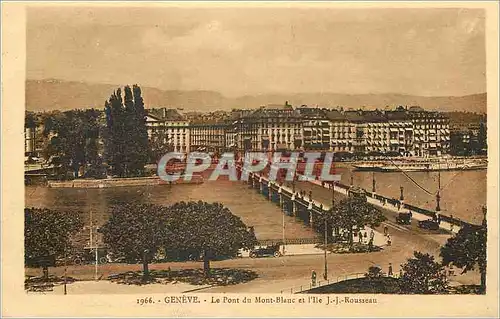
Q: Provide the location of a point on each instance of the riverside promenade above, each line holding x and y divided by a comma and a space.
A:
446, 225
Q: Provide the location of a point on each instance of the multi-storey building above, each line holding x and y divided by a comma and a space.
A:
401, 131
169, 126
370, 132
342, 132
209, 137
431, 132
316, 131
270, 128
29, 141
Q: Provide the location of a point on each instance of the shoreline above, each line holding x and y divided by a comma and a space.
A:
121, 182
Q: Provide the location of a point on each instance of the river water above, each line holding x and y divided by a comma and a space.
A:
463, 193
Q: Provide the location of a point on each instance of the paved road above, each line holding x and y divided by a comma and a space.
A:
283, 273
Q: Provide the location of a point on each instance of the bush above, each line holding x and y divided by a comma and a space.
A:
374, 272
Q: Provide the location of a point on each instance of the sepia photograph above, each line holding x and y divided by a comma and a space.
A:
266, 155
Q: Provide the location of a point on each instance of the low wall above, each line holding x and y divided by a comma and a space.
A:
119, 182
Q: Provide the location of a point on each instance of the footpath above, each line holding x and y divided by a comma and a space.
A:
415, 215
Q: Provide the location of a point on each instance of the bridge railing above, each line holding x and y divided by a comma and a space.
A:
320, 283
291, 241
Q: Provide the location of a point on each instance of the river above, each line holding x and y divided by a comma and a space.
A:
463, 193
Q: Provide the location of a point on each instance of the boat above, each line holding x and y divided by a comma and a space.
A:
377, 166
423, 165
432, 166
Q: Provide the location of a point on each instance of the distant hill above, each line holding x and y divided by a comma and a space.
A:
46, 95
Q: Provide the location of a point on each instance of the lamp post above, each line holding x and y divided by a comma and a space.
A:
373, 182
438, 195
325, 275
326, 230
65, 268
484, 217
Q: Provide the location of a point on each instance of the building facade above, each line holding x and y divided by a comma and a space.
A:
208, 137
270, 128
400, 132
170, 127
431, 132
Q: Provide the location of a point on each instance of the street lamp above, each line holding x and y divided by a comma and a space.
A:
65, 268
438, 195
373, 182
325, 275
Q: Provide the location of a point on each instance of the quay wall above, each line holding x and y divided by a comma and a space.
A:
120, 182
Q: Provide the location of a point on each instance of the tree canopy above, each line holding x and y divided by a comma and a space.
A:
423, 275
48, 232
127, 145
136, 232
209, 228
72, 139
467, 250
351, 212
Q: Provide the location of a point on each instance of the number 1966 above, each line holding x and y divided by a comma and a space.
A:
143, 301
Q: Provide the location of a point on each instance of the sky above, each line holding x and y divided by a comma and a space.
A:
248, 51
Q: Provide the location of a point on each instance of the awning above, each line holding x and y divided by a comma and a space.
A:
393, 129
394, 142
432, 145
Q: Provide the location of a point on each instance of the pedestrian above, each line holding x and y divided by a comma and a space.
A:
313, 278
385, 231
365, 237
389, 240
370, 245
372, 234
400, 271
360, 237
390, 274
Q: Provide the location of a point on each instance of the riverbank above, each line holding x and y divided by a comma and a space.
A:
120, 182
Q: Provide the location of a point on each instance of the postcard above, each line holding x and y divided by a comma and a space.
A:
253, 159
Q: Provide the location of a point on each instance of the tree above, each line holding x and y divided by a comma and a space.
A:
127, 147
208, 228
48, 232
136, 232
482, 136
159, 146
467, 250
351, 212
141, 132
423, 275
72, 139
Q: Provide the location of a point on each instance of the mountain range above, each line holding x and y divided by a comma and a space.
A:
50, 94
